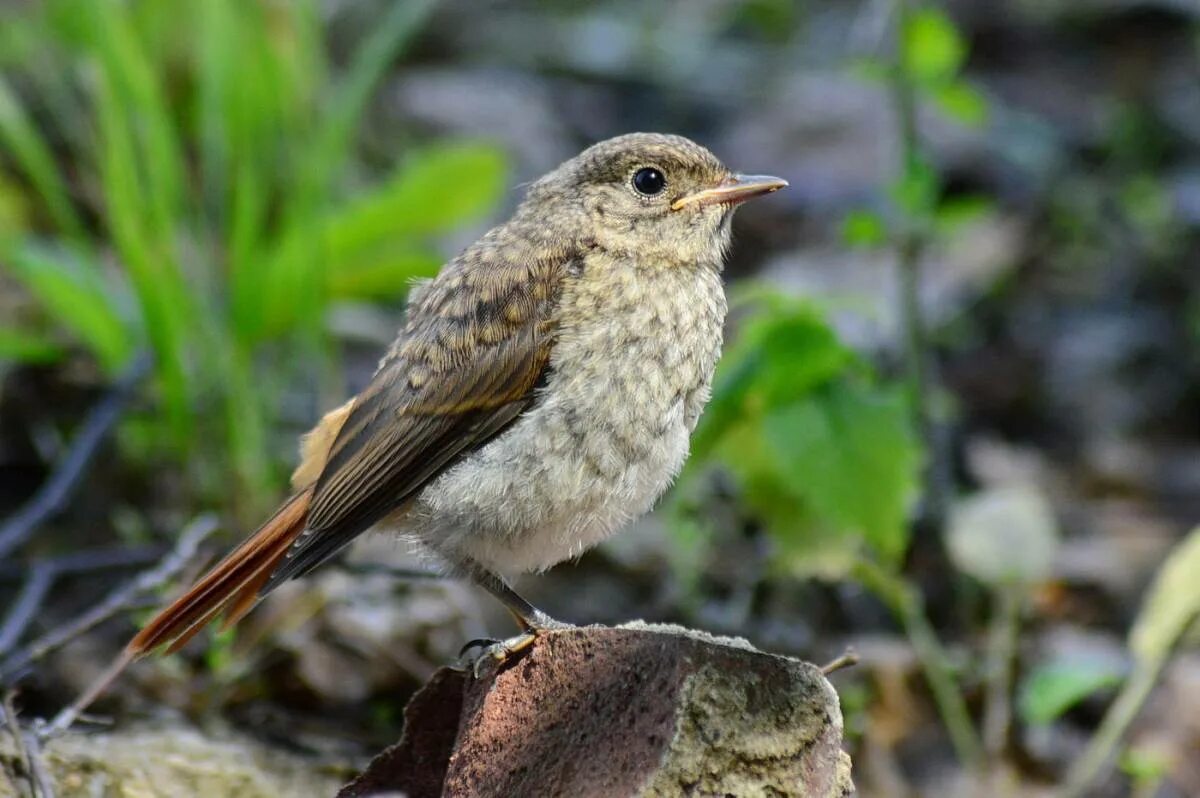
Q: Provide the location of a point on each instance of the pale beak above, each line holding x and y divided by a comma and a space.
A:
733, 190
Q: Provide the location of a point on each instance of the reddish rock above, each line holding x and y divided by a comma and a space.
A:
631, 711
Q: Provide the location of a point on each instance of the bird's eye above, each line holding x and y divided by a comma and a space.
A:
649, 181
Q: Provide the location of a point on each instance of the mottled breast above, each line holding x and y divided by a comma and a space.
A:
629, 374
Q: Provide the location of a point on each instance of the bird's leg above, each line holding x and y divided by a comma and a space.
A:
531, 620
527, 616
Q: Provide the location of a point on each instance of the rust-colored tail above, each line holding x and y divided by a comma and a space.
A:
231, 587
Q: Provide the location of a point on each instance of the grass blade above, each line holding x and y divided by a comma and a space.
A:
31, 154
76, 300
435, 189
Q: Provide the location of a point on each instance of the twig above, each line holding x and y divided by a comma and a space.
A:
84, 561
53, 495
14, 730
847, 659
42, 574
119, 600
43, 786
28, 602
29, 748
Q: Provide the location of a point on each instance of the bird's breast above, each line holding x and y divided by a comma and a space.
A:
635, 343
629, 374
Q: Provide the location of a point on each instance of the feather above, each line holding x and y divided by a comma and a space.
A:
232, 586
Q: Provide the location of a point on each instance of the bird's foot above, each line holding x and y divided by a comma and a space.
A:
476, 655
491, 650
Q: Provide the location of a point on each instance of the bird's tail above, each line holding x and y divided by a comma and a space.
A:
232, 587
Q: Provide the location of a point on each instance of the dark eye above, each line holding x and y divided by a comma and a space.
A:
649, 181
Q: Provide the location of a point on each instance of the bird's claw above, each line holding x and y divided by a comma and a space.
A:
495, 651
479, 642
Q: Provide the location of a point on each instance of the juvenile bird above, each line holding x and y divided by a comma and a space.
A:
540, 394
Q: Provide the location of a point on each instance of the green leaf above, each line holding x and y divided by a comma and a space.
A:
864, 229
1145, 766
962, 102
26, 347
75, 299
933, 49
387, 276
805, 544
1172, 604
1053, 688
434, 190
824, 459
783, 353
1004, 536
848, 450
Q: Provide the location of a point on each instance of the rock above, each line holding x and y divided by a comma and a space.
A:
608, 712
178, 761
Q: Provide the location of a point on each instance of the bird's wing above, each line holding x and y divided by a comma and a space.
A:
467, 363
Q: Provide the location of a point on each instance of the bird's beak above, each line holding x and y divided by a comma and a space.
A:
732, 191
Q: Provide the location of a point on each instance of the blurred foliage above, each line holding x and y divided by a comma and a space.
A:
933, 55
826, 456
822, 454
1171, 606
1170, 609
1004, 537
928, 64
1053, 688
195, 189
772, 19
1146, 769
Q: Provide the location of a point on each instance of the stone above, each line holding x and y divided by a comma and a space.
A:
603, 712
171, 759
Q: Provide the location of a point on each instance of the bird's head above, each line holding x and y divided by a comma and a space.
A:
660, 197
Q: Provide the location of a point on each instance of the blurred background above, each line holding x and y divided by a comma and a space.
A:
956, 428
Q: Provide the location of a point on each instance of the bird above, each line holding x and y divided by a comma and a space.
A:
540, 394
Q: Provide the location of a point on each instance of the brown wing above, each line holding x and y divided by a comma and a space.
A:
465, 366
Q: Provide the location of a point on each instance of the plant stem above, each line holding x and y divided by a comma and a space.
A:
1002, 644
910, 251
906, 604
1099, 753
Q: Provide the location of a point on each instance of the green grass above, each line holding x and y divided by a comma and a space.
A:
193, 185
